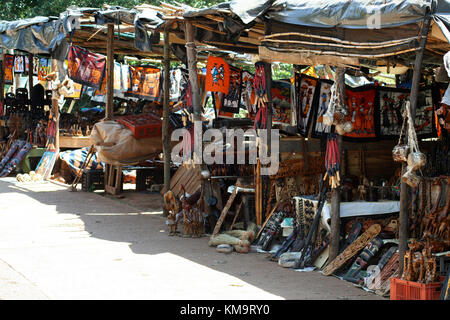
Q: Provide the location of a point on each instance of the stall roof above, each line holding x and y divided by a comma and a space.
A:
326, 31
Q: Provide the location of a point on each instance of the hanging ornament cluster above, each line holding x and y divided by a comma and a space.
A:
261, 100
337, 112
332, 161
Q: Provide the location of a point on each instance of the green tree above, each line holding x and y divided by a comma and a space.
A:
19, 9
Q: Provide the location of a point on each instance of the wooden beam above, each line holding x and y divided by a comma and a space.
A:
404, 194
110, 73
2, 79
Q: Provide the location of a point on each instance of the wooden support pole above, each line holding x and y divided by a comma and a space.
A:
109, 110
165, 122
193, 79
192, 67
404, 190
30, 73
336, 195
2, 78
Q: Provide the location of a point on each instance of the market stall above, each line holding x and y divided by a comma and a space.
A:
348, 126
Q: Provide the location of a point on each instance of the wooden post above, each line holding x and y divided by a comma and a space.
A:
192, 67
165, 123
30, 74
336, 196
404, 193
2, 78
193, 79
109, 110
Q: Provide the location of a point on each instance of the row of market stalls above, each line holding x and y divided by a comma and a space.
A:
359, 188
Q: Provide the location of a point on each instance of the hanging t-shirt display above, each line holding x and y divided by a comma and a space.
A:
319, 128
145, 82
9, 69
233, 97
217, 75
86, 67
361, 110
305, 88
281, 102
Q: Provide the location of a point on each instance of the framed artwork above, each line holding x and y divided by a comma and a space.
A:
45, 165
281, 102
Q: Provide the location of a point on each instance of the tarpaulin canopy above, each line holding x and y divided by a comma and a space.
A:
323, 31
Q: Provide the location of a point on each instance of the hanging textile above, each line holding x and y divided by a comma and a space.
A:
117, 84
145, 82
361, 109
175, 84
319, 128
233, 97
281, 102
75, 159
86, 67
260, 85
125, 77
391, 106
9, 69
45, 67
36, 61
19, 64
16, 159
248, 93
217, 75
305, 88
27, 64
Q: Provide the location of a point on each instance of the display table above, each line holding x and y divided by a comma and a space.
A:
363, 208
355, 209
74, 142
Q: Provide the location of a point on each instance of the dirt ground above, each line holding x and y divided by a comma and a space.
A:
58, 244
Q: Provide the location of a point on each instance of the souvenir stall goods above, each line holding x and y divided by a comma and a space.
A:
392, 104
85, 67
319, 128
145, 82
260, 85
305, 88
248, 93
231, 101
281, 102
16, 159
361, 113
218, 75
9, 69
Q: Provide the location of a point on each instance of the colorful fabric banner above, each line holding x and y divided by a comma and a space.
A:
19, 64
217, 75
85, 67
319, 129
361, 109
281, 102
9, 69
145, 82
45, 67
392, 102
305, 88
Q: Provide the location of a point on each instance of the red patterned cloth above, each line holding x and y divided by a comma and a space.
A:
86, 67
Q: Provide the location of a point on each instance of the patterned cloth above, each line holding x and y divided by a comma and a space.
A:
86, 67
217, 75
75, 158
17, 158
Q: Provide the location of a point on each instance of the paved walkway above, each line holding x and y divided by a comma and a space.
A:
57, 244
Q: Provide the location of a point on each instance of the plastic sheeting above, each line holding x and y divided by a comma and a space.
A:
126, 149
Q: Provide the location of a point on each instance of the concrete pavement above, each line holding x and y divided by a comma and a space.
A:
57, 244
